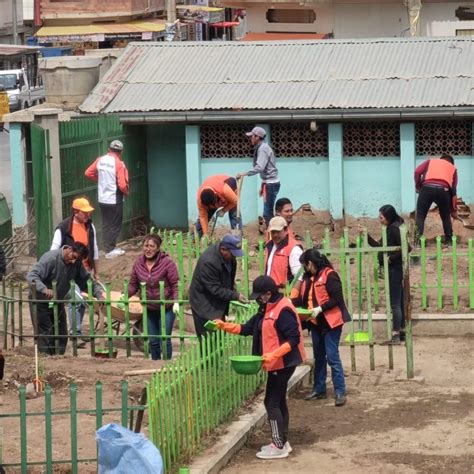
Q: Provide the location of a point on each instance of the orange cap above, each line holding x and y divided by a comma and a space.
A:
82, 204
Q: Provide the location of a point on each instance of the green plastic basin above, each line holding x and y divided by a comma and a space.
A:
210, 326
359, 336
246, 364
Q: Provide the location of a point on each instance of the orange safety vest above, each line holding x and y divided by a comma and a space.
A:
334, 315
216, 183
280, 262
440, 170
270, 337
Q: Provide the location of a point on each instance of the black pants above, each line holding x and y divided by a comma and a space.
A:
442, 198
395, 283
112, 215
45, 337
276, 406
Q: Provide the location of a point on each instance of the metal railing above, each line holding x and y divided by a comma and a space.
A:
197, 392
24, 434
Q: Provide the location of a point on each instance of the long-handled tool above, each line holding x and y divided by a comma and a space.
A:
238, 230
214, 221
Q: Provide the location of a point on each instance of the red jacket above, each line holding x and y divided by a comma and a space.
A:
437, 171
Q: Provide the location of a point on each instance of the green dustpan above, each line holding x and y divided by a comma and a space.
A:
246, 364
359, 336
210, 325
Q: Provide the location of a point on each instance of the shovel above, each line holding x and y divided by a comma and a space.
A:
467, 225
238, 230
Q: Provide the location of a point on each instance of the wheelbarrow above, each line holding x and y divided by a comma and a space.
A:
135, 312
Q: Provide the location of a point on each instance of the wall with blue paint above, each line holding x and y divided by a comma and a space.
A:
166, 155
357, 186
302, 179
369, 183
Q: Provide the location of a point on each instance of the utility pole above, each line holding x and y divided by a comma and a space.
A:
14, 23
170, 11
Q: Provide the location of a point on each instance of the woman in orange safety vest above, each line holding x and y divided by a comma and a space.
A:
321, 291
277, 336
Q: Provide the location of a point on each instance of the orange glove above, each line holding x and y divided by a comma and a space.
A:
294, 293
277, 353
231, 328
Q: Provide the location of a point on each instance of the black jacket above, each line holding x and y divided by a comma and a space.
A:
393, 240
212, 286
286, 327
65, 227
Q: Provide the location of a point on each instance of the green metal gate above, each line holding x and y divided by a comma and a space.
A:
42, 187
82, 140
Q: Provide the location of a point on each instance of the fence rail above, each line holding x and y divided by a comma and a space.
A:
49, 415
197, 392
441, 278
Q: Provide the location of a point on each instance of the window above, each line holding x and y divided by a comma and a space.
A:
372, 139
297, 140
225, 141
434, 138
277, 15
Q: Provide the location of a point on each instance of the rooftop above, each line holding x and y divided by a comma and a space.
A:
393, 73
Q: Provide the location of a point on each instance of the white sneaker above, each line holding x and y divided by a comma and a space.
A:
272, 452
112, 254
118, 251
287, 447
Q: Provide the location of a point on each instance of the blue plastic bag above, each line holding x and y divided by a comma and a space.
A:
122, 451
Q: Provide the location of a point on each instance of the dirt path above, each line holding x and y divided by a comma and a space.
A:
387, 426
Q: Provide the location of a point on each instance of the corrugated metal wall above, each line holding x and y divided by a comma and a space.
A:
82, 140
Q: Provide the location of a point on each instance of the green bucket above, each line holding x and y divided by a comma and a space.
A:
210, 326
246, 364
359, 336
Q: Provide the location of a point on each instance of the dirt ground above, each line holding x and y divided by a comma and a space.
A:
59, 372
387, 426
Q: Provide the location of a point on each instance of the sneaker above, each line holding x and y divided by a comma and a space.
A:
111, 255
273, 453
395, 341
316, 396
340, 400
287, 446
119, 251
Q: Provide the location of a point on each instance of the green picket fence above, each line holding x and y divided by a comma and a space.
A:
25, 433
197, 392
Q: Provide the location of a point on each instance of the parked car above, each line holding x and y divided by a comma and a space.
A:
21, 93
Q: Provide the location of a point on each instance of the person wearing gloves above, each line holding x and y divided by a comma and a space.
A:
62, 266
78, 227
213, 284
278, 338
321, 291
150, 268
217, 192
389, 217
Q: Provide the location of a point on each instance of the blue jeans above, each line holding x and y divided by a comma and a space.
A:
269, 199
80, 310
154, 329
326, 351
233, 220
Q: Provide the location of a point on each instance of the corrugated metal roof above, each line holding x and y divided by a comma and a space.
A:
329, 74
